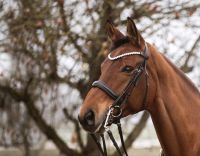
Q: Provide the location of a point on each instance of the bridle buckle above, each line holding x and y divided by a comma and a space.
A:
116, 111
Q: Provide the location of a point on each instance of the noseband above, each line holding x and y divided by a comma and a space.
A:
115, 111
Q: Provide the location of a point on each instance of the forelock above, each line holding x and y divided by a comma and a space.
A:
119, 42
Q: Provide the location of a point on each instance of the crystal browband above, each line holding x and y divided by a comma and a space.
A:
122, 55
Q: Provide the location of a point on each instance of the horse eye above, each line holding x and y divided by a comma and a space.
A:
127, 69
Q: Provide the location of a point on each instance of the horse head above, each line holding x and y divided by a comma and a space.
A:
123, 80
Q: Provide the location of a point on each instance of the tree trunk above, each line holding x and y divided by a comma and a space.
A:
47, 129
91, 148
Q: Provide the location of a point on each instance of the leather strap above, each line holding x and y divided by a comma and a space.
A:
96, 140
104, 144
114, 142
101, 85
121, 137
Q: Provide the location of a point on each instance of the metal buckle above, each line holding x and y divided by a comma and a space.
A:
119, 110
111, 114
107, 119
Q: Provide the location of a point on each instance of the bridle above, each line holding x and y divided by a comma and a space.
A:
114, 113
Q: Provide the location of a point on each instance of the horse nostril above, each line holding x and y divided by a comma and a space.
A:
90, 118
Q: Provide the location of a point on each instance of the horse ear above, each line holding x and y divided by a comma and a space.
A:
113, 33
133, 33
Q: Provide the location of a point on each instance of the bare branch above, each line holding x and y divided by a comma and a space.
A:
190, 54
42, 125
77, 128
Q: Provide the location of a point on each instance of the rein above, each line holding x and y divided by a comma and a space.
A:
115, 111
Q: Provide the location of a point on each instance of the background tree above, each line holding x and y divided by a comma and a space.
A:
54, 50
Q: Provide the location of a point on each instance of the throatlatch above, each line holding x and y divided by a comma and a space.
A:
114, 113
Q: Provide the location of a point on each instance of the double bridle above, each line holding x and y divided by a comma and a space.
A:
114, 113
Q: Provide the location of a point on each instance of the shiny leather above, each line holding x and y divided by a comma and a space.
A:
101, 85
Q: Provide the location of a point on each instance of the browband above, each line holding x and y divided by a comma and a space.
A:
144, 54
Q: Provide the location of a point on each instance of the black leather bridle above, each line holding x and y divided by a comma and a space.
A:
114, 113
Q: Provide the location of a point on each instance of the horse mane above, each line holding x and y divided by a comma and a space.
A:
182, 75
119, 42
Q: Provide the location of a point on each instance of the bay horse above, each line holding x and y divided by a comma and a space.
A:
136, 76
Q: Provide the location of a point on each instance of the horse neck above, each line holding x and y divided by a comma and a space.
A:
176, 109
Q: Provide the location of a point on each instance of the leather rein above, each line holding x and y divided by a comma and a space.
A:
115, 111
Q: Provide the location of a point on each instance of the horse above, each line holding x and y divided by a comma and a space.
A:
135, 77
